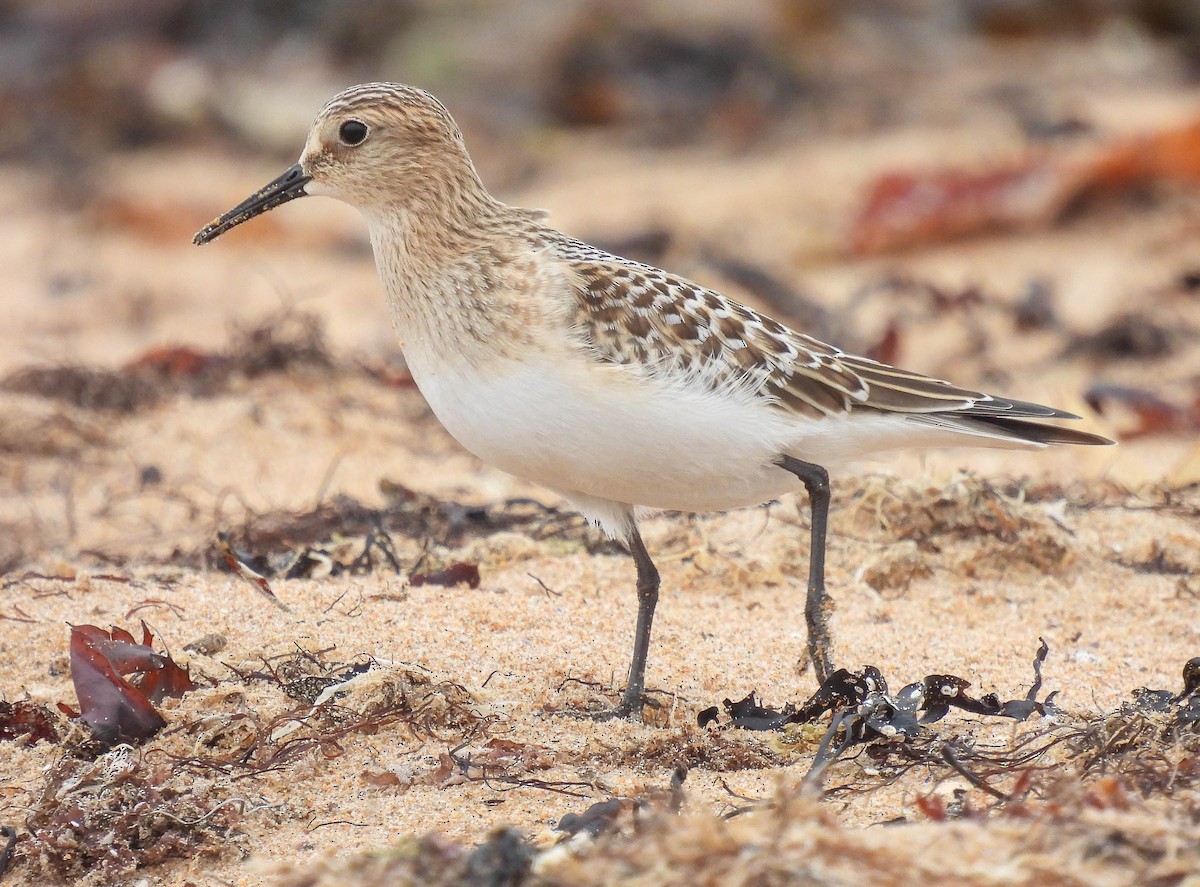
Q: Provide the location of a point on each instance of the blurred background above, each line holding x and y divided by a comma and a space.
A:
85, 77
999, 192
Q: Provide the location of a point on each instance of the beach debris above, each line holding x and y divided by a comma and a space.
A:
905, 209
25, 721
10, 841
1148, 412
239, 567
99, 821
877, 712
1183, 707
116, 709
596, 819
456, 574
281, 342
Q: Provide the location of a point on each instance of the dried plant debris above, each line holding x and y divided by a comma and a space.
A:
1003, 528
344, 535
27, 722
1182, 500
1151, 744
864, 710
1072, 834
244, 571
605, 816
89, 388
336, 702
1065, 800
504, 859
967, 507
37, 428
9, 834
1133, 336
1183, 708
667, 86
599, 817
503, 765
118, 710
870, 710
697, 749
282, 342
100, 821
458, 573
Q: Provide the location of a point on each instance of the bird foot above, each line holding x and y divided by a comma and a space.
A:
630, 708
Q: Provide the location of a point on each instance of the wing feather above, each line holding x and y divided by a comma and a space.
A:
634, 314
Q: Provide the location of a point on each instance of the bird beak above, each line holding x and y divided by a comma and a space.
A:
287, 187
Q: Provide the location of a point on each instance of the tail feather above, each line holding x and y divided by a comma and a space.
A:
1011, 429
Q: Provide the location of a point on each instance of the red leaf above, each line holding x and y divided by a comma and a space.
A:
1152, 414
26, 721
241, 568
174, 361
118, 710
905, 209
452, 575
933, 807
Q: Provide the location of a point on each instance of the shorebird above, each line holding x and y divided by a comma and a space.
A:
617, 385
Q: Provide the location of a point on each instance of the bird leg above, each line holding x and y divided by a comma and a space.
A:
816, 481
632, 699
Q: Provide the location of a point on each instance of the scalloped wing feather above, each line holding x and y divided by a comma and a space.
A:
633, 314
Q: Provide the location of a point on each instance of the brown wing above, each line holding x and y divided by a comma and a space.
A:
634, 314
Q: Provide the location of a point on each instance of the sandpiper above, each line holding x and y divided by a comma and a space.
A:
615, 384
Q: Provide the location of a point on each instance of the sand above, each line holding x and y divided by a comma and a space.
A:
110, 516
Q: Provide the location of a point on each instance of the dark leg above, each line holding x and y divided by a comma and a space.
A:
647, 589
816, 481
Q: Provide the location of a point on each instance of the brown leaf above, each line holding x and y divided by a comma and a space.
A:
381, 778
454, 574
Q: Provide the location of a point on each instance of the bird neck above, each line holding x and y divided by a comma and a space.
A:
446, 268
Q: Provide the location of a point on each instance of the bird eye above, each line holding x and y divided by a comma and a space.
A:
353, 132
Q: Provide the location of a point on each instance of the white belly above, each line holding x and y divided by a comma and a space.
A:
594, 430
601, 434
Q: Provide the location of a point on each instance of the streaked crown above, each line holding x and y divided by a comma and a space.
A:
385, 144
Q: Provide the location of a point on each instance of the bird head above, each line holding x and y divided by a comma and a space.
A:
377, 146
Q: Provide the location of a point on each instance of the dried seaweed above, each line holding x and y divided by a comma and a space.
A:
968, 507
1002, 530
280, 343
881, 713
907, 209
145, 813
10, 841
713, 750
338, 700
501, 767
1130, 337
26, 722
1151, 414
863, 710
301, 545
599, 817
